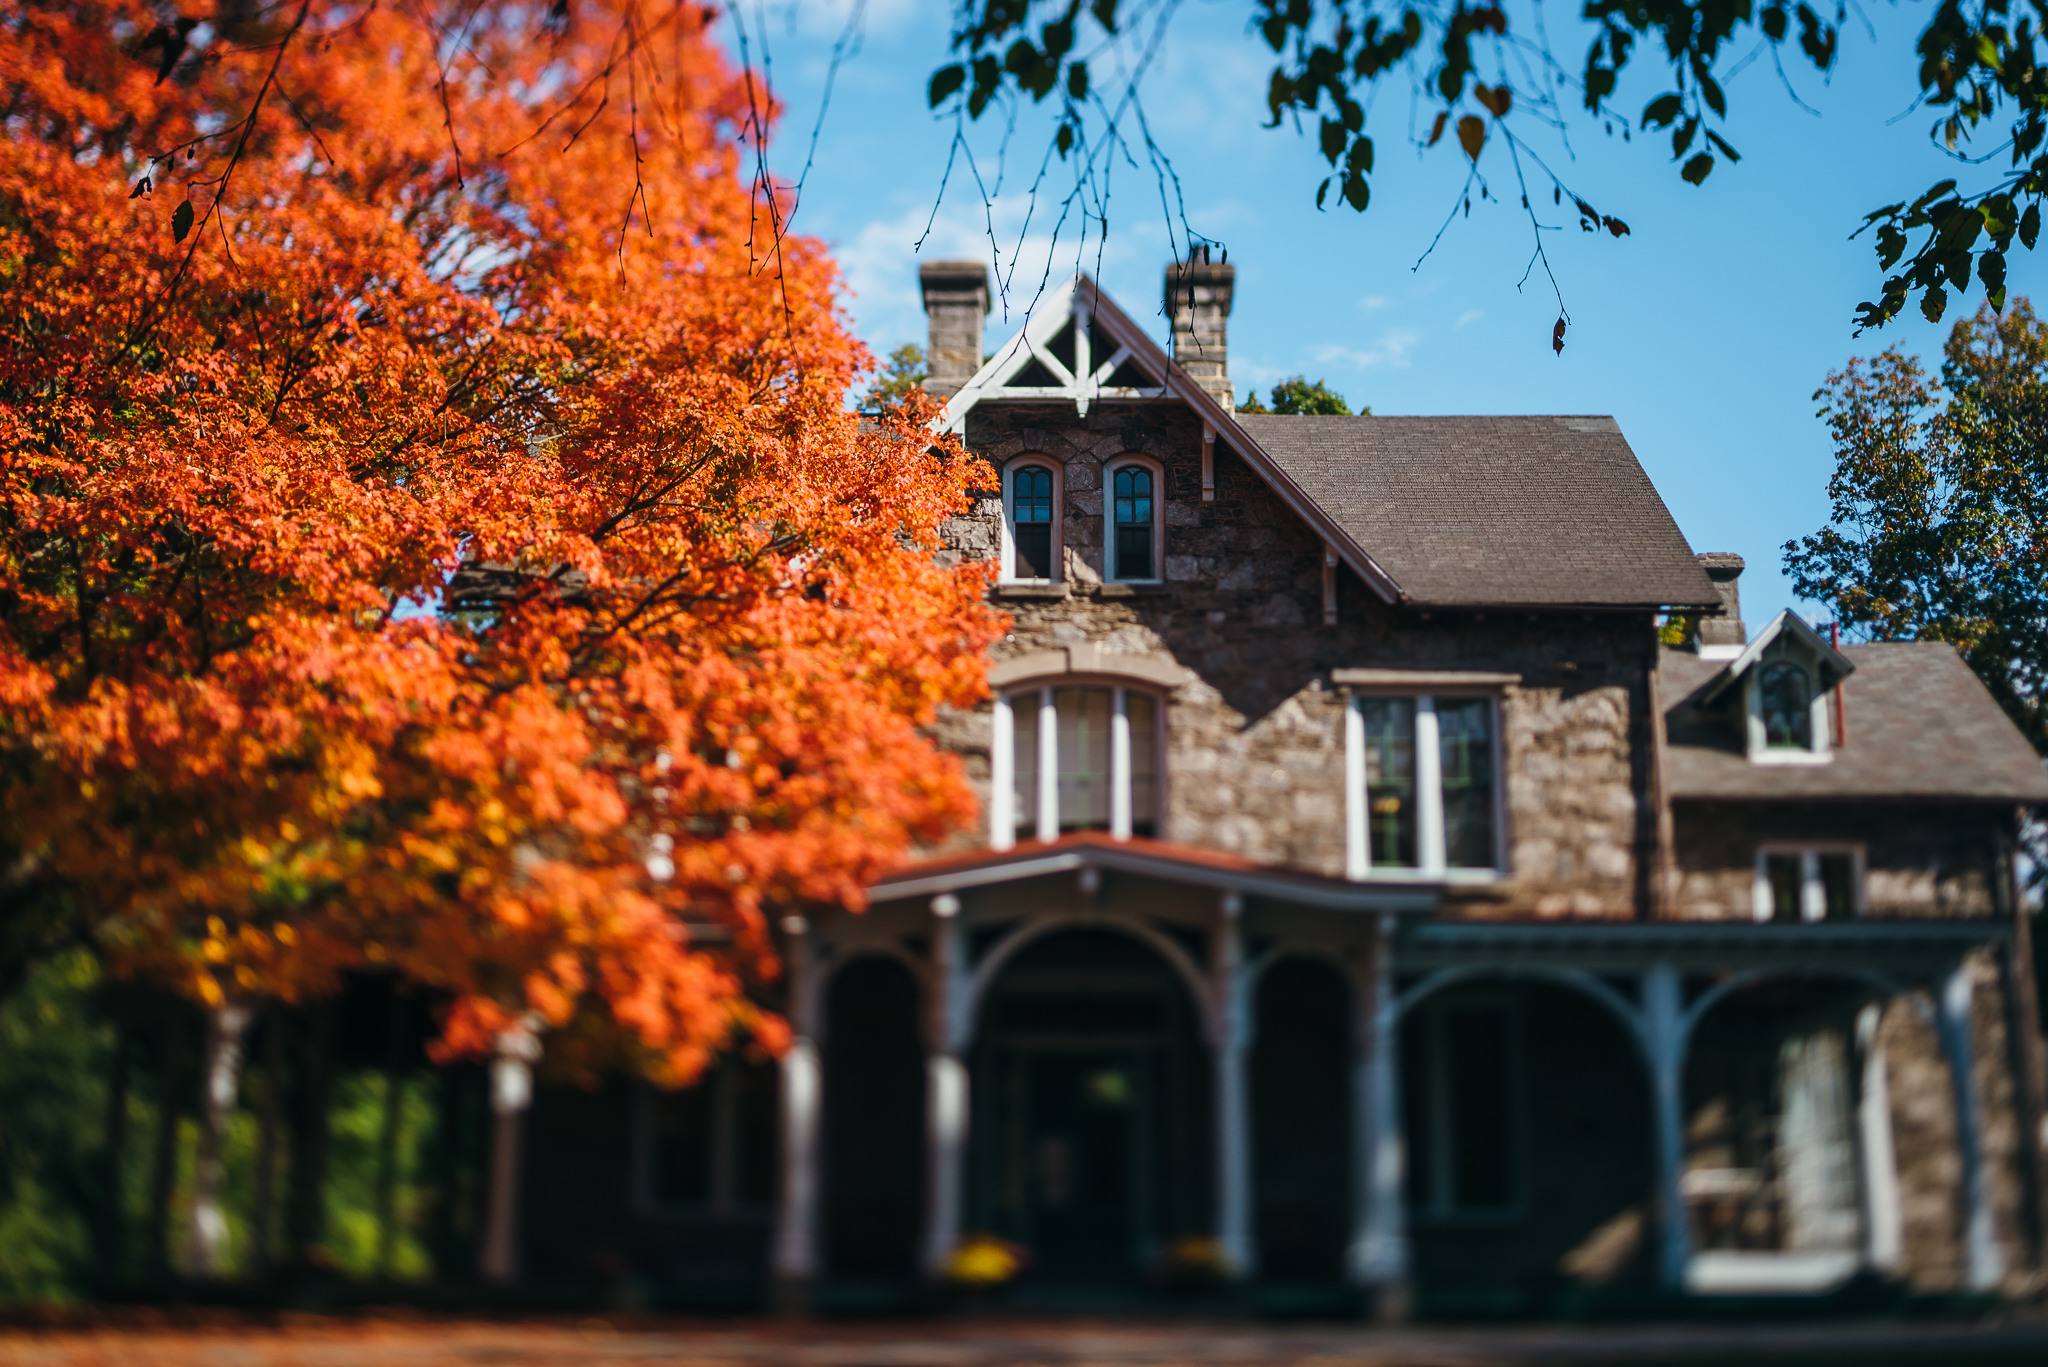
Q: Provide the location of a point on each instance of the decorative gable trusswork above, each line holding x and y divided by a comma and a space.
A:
1077, 347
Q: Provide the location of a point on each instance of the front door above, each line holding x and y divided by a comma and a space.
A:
1082, 1142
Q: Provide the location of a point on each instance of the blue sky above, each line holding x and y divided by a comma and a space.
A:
1705, 331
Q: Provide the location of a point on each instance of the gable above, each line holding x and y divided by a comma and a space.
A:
1076, 347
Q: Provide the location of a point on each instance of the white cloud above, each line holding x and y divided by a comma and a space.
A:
1374, 302
1391, 350
1470, 316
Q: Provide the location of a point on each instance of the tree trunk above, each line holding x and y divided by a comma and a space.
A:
511, 1094
387, 1139
308, 1213
263, 1210
113, 1225
220, 1083
170, 1101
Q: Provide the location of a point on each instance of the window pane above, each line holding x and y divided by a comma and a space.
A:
1024, 762
1475, 1044
1838, 885
682, 1143
1787, 698
1390, 779
1031, 521
1465, 729
1084, 758
1783, 872
1133, 498
1143, 711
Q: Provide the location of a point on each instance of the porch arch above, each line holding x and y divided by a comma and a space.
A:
968, 1002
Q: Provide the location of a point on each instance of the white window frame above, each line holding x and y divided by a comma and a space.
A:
1429, 793
1002, 766
1813, 894
1817, 721
1059, 504
1158, 473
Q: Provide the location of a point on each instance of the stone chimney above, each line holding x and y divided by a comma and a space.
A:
1198, 301
956, 308
1722, 628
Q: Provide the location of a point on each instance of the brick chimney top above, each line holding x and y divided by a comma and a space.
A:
956, 311
1198, 299
1723, 626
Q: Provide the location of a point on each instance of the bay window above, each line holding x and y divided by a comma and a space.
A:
1422, 773
1074, 758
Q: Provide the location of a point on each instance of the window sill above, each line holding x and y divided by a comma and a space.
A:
1790, 759
1140, 588
1041, 592
1454, 877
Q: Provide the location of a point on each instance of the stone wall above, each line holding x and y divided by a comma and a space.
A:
1920, 859
1255, 742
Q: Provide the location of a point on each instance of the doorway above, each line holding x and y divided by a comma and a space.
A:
1091, 1098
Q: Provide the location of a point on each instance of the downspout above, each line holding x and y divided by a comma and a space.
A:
1661, 894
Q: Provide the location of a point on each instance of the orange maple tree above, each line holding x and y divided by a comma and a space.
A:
435, 536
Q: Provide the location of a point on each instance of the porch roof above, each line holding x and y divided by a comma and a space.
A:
1152, 859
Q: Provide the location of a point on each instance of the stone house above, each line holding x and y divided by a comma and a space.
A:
1369, 907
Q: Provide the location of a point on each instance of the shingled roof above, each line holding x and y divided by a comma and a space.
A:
1498, 512
1920, 725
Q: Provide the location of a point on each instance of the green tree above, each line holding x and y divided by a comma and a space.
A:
1977, 73
1297, 397
903, 376
1937, 530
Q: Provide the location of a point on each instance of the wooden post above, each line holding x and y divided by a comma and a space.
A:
946, 1094
1379, 1243
1663, 1031
1233, 1129
511, 1095
796, 1214
1983, 1261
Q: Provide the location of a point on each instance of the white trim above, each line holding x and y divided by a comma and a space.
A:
1818, 749
1056, 555
1119, 765
1813, 903
1158, 472
1432, 857
1048, 765
1002, 776
1726, 1272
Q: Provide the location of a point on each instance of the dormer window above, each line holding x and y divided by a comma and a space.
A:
1777, 691
1785, 700
1031, 543
1133, 550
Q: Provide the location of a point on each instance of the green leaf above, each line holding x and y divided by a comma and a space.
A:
1322, 190
1356, 192
1711, 90
1934, 303
1105, 13
1077, 80
1774, 22
1722, 143
1064, 140
1991, 270
1682, 139
1696, 170
1334, 138
181, 221
1663, 111
945, 81
1359, 163
1891, 244
2030, 225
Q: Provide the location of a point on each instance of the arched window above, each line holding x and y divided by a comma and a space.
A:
1031, 522
1134, 510
1785, 696
1076, 758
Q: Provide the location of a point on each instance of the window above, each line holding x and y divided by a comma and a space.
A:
1459, 1076
1031, 541
1808, 884
712, 1145
1133, 546
1424, 793
1785, 698
1133, 511
1100, 747
1788, 717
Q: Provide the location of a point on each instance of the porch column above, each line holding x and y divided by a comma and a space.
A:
1379, 1239
945, 1093
802, 1096
1984, 1264
518, 1049
1233, 1127
1664, 1037
1883, 1236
